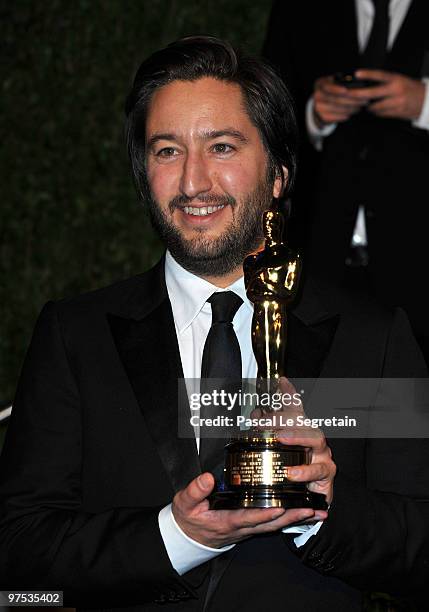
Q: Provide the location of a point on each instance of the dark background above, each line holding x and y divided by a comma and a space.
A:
70, 220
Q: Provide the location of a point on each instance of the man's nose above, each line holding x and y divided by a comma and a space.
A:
195, 177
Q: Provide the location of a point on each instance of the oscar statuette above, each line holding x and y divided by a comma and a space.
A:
255, 468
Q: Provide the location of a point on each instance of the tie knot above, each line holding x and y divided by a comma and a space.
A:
224, 306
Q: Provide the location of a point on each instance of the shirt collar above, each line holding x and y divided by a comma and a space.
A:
188, 293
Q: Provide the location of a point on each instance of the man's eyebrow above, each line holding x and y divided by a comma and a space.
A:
160, 136
231, 132
207, 135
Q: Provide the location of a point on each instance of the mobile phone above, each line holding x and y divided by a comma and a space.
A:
348, 79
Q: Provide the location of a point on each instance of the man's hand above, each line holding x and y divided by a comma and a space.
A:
397, 96
334, 103
218, 528
320, 473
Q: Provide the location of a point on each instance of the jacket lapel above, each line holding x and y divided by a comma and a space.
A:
312, 327
145, 336
406, 52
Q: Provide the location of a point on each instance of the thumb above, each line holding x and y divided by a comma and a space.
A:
197, 490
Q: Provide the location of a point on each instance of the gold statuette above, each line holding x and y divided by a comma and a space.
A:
256, 463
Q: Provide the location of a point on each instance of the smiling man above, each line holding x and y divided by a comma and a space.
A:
205, 165
99, 495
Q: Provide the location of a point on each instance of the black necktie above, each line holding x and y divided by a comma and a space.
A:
221, 361
375, 51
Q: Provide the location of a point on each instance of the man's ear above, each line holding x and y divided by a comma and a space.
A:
278, 188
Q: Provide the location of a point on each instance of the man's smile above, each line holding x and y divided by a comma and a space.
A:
201, 215
201, 210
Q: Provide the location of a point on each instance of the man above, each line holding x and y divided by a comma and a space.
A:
367, 148
100, 497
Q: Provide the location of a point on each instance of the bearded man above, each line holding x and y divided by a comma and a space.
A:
100, 497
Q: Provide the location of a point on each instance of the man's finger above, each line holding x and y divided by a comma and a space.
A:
337, 117
197, 491
387, 104
345, 98
332, 88
251, 517
320, 515
286, 386
315, 439
371, 93
310, 473
335, 113
293, 515
375, 75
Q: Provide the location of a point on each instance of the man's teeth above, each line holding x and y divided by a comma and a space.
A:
203, 210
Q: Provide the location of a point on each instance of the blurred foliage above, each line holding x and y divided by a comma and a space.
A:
70, 220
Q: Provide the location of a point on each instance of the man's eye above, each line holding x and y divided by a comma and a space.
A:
221, 147
166, 152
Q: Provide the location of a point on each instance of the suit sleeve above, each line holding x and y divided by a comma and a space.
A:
46, 540
377, 534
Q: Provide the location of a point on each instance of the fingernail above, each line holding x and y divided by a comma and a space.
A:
319, 516
278, 512
293, 472
204, 481
305, 514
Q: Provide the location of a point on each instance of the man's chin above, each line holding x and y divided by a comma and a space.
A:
204, 261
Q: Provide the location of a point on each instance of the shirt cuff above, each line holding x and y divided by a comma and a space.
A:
184, 552
315, 133
422, 121
306, 532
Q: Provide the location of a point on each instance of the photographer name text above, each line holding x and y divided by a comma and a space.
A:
273, 420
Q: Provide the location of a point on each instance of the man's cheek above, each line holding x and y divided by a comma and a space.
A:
237, 179
162, 184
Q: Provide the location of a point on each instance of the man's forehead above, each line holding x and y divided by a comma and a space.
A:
206, 105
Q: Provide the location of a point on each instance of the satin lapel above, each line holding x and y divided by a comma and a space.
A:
412, 32
312, 326
149, 352
308, 346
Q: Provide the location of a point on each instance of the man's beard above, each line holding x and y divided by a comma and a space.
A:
222, 255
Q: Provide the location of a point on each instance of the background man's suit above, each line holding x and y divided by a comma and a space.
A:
378, 163
92, 455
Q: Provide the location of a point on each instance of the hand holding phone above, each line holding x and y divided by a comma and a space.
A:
333, 102
349, 80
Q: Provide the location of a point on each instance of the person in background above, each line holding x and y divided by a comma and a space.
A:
359, 73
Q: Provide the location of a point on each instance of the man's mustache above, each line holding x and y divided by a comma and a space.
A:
180, 201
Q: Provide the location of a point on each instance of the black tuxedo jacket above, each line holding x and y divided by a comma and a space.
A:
92, 454
375, 162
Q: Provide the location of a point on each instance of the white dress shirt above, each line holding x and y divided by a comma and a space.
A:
188, 295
